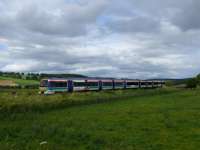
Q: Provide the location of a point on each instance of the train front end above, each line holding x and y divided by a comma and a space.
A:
43, 86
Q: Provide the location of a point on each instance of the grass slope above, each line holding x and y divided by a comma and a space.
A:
21, 81
169, 120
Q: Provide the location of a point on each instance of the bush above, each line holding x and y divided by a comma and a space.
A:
191, 83
34, 86
169, 83
198, 79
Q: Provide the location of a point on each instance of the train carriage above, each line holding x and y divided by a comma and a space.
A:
51, 86
43, 86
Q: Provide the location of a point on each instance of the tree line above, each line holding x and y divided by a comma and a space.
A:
37, 76
193, 82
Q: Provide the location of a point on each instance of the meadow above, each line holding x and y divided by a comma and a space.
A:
21, 82
119, 120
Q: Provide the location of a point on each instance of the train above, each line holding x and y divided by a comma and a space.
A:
61, 85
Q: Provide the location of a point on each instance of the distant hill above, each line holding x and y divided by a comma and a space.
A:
43, 75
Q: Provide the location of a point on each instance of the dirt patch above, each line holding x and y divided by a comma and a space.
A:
7, 83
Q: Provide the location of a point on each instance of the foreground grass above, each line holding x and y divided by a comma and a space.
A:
160, 119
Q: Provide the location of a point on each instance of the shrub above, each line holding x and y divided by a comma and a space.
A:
169, 83
191, 83
198, 79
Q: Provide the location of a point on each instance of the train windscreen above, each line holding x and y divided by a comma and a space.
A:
44, 83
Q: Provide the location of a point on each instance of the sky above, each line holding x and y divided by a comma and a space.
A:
106, 38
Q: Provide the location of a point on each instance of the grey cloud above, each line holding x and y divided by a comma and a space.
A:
134, 24
183, 13
188, 16
65, 21
135, 39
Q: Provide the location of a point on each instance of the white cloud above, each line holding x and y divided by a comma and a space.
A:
20, 67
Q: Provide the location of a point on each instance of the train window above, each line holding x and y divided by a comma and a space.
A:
92, 83
143, 83
44, 83
58, 84
119, 83
107, 83
149, 83
80, 84
132, 83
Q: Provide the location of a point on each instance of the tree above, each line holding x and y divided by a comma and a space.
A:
191, 83
198, 79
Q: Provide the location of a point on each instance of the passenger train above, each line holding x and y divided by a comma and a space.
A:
59, 85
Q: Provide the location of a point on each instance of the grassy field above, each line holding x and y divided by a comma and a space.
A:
118, 120
21, 81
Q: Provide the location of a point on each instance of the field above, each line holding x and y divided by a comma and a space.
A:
20, 81
118, 120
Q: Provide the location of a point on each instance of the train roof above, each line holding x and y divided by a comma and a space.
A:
103, 79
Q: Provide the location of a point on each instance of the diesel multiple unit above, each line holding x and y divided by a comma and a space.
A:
58, 85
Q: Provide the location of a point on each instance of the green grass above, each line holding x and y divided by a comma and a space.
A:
20, 81
130, 119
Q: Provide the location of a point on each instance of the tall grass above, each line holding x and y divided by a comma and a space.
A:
23, 100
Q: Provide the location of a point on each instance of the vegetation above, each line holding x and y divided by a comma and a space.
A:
187, 82
20, 81
35, 76
22, 100
129, 119
192, 83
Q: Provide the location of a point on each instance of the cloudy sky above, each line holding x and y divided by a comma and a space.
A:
129, 38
